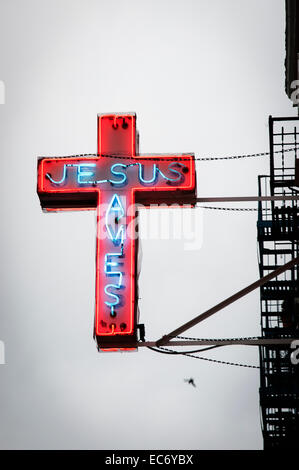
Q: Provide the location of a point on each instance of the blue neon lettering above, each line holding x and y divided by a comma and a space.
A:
112, 264
115, 208
179, 177
141, 174
62, 179
115, 205
84, 174
81, 173
109, 273
115, 296
118, 173
116, 237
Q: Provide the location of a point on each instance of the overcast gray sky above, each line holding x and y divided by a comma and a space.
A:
202, 76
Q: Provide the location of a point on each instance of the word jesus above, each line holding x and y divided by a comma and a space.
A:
119, 174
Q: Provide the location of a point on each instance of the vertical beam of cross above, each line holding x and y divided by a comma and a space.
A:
116, 302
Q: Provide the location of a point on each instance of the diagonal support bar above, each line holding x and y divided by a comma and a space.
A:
166, 338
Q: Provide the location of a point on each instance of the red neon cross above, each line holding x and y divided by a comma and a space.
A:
113, 182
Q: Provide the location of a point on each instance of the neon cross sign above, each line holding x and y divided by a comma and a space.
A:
114, 181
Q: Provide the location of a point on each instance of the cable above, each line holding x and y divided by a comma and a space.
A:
171, 351
191, 353
218, 339
176, 158
249, 366
230, 208
164, 350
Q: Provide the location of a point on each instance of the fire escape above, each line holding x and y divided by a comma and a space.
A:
278, 235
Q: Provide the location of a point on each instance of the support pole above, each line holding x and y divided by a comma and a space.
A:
247, 198
223, 342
